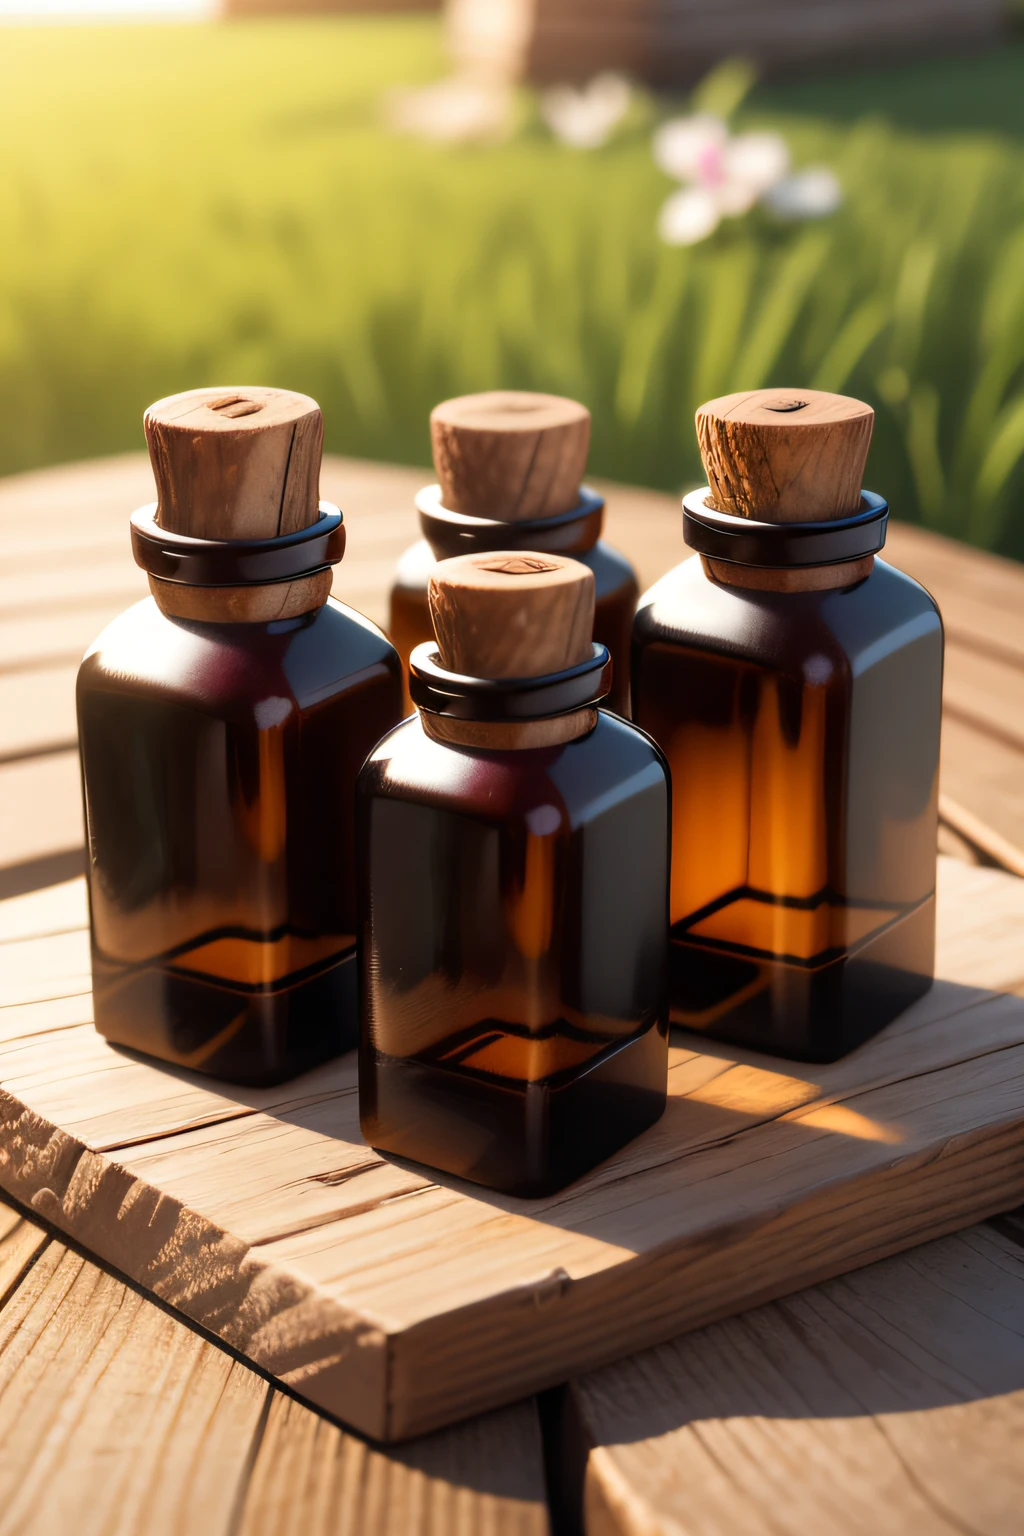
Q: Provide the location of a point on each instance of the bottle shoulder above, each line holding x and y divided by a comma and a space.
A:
223, 666
613, 762
686, 608
612, 571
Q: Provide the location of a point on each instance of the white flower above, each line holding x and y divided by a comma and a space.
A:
688, 216
584, 119
463, 107
726, 174
751, 165
688, 147
809, 194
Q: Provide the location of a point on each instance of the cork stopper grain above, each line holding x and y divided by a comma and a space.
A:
510, 455
511, 614
236, 463
783, 455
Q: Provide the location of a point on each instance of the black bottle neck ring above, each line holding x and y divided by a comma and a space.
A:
440, 692
455, 533
192, 562
784, 546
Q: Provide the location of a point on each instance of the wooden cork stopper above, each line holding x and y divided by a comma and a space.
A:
781, 456
236, 463
510, 455
511, 614
785, 455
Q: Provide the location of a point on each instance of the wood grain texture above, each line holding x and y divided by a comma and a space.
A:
980, 843
403, 1302
510, 454
511, 614
484, 1478
20, 1243
113, 1416
236, 463
785, 455
889, 1401
118, 1420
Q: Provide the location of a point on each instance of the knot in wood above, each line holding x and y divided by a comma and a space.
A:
518, 565
236, 463
782, 455
511, 613
234, 406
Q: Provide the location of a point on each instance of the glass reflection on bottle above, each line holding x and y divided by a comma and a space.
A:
513, 953
802, 731
219, 768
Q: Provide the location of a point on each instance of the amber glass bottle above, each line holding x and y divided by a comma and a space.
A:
513, 893
222, 724
794, 682
510, 465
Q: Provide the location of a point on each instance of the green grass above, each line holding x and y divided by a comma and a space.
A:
185, 206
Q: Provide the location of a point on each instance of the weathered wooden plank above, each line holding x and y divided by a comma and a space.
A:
20, 1242
891, 1400
53, 585
37, 641
984, 774
37, 914
20, 1021
116, 1417
402, 1301
36, 970
986, 692
40, 808
979, 593
979, 941
113, 1415
483, 1478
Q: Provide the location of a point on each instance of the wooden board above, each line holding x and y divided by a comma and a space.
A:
889, 1401
402, 1301
115, 1417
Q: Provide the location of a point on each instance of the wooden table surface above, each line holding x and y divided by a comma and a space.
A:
888, 1401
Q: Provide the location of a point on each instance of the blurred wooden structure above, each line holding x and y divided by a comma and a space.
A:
674, 42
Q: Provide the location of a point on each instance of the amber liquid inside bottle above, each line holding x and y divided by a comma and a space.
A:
802, 731
513, 953
615, 590
219, 769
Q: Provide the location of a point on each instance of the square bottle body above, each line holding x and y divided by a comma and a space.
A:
513, 910
219, 764
802, 732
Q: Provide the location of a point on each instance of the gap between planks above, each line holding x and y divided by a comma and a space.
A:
114, 1412
891, 1400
